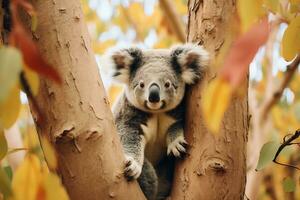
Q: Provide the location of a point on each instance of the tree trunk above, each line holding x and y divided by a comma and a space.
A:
78, 120
215, 167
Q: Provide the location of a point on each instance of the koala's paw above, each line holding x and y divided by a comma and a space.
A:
177, 147
132, 168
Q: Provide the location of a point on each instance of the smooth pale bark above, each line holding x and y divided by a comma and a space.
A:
215, 167
78, 120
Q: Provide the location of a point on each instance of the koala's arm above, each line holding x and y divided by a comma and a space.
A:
128, 121
175, 134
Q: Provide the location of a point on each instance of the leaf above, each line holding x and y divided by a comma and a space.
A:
33, 80
34, 22
294, 7
9, 172
3, 145
288, 184
290, 45
114, 91
32, 57
49, 153
53, 187
272, 5
27, 178
10, 68
10, 108
242, 52
215, 102
267, 154
27, 6
5, 186
249, 11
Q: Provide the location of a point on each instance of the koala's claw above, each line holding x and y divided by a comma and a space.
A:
177, 147
132, 168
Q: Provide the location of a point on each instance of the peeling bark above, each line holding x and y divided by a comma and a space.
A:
215, 167
78, 120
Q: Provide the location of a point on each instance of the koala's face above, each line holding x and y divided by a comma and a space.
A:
156, 79
155, 88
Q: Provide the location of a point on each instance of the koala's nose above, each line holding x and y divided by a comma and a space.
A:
154, 93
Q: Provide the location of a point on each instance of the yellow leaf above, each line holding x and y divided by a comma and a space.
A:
53, 187
49, 153
272, 5
215, 102
290, 45
100, 48
249, 11
34, 22
294, 1
31, 140
113, 92
3, 145
27, 178
33, 80
10, 108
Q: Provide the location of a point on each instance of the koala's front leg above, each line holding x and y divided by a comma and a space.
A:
133, 146
175, 139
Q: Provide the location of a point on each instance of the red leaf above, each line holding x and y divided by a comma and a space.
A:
242, 51
31, 55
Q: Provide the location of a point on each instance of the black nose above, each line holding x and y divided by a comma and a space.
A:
154, 93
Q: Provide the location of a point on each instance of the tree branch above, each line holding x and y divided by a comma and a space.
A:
291, 68
174, 19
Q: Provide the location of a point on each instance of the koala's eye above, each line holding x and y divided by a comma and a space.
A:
167, 84
142, 85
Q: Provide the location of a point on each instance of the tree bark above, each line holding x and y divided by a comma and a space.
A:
78, 120
215, 167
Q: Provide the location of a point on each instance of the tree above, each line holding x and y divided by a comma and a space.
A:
77, 117
216, 165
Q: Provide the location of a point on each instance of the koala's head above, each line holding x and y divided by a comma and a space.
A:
156, 79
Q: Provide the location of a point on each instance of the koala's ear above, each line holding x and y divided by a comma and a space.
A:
123, 63
190, 60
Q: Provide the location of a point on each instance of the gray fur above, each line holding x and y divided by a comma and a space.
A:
151, 130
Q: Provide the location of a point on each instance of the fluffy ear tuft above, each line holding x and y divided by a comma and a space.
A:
122, 63
190, 60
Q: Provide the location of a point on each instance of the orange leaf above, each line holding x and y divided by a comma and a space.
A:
31, 55
243, 50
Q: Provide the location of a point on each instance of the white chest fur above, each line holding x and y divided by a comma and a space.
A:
155, 134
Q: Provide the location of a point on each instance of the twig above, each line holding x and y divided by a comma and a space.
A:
172, 16
291, 69
283, 145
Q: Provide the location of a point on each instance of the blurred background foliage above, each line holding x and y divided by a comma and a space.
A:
151, 24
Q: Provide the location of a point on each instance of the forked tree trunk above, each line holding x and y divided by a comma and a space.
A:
78, 119
216, 166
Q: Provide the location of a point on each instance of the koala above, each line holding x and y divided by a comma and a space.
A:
149, 115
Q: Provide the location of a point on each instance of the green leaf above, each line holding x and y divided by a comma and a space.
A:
5, 184
288, 184
3, 145
10, 68
267, 154
9, 172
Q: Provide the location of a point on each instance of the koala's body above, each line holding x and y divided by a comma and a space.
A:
150, 113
